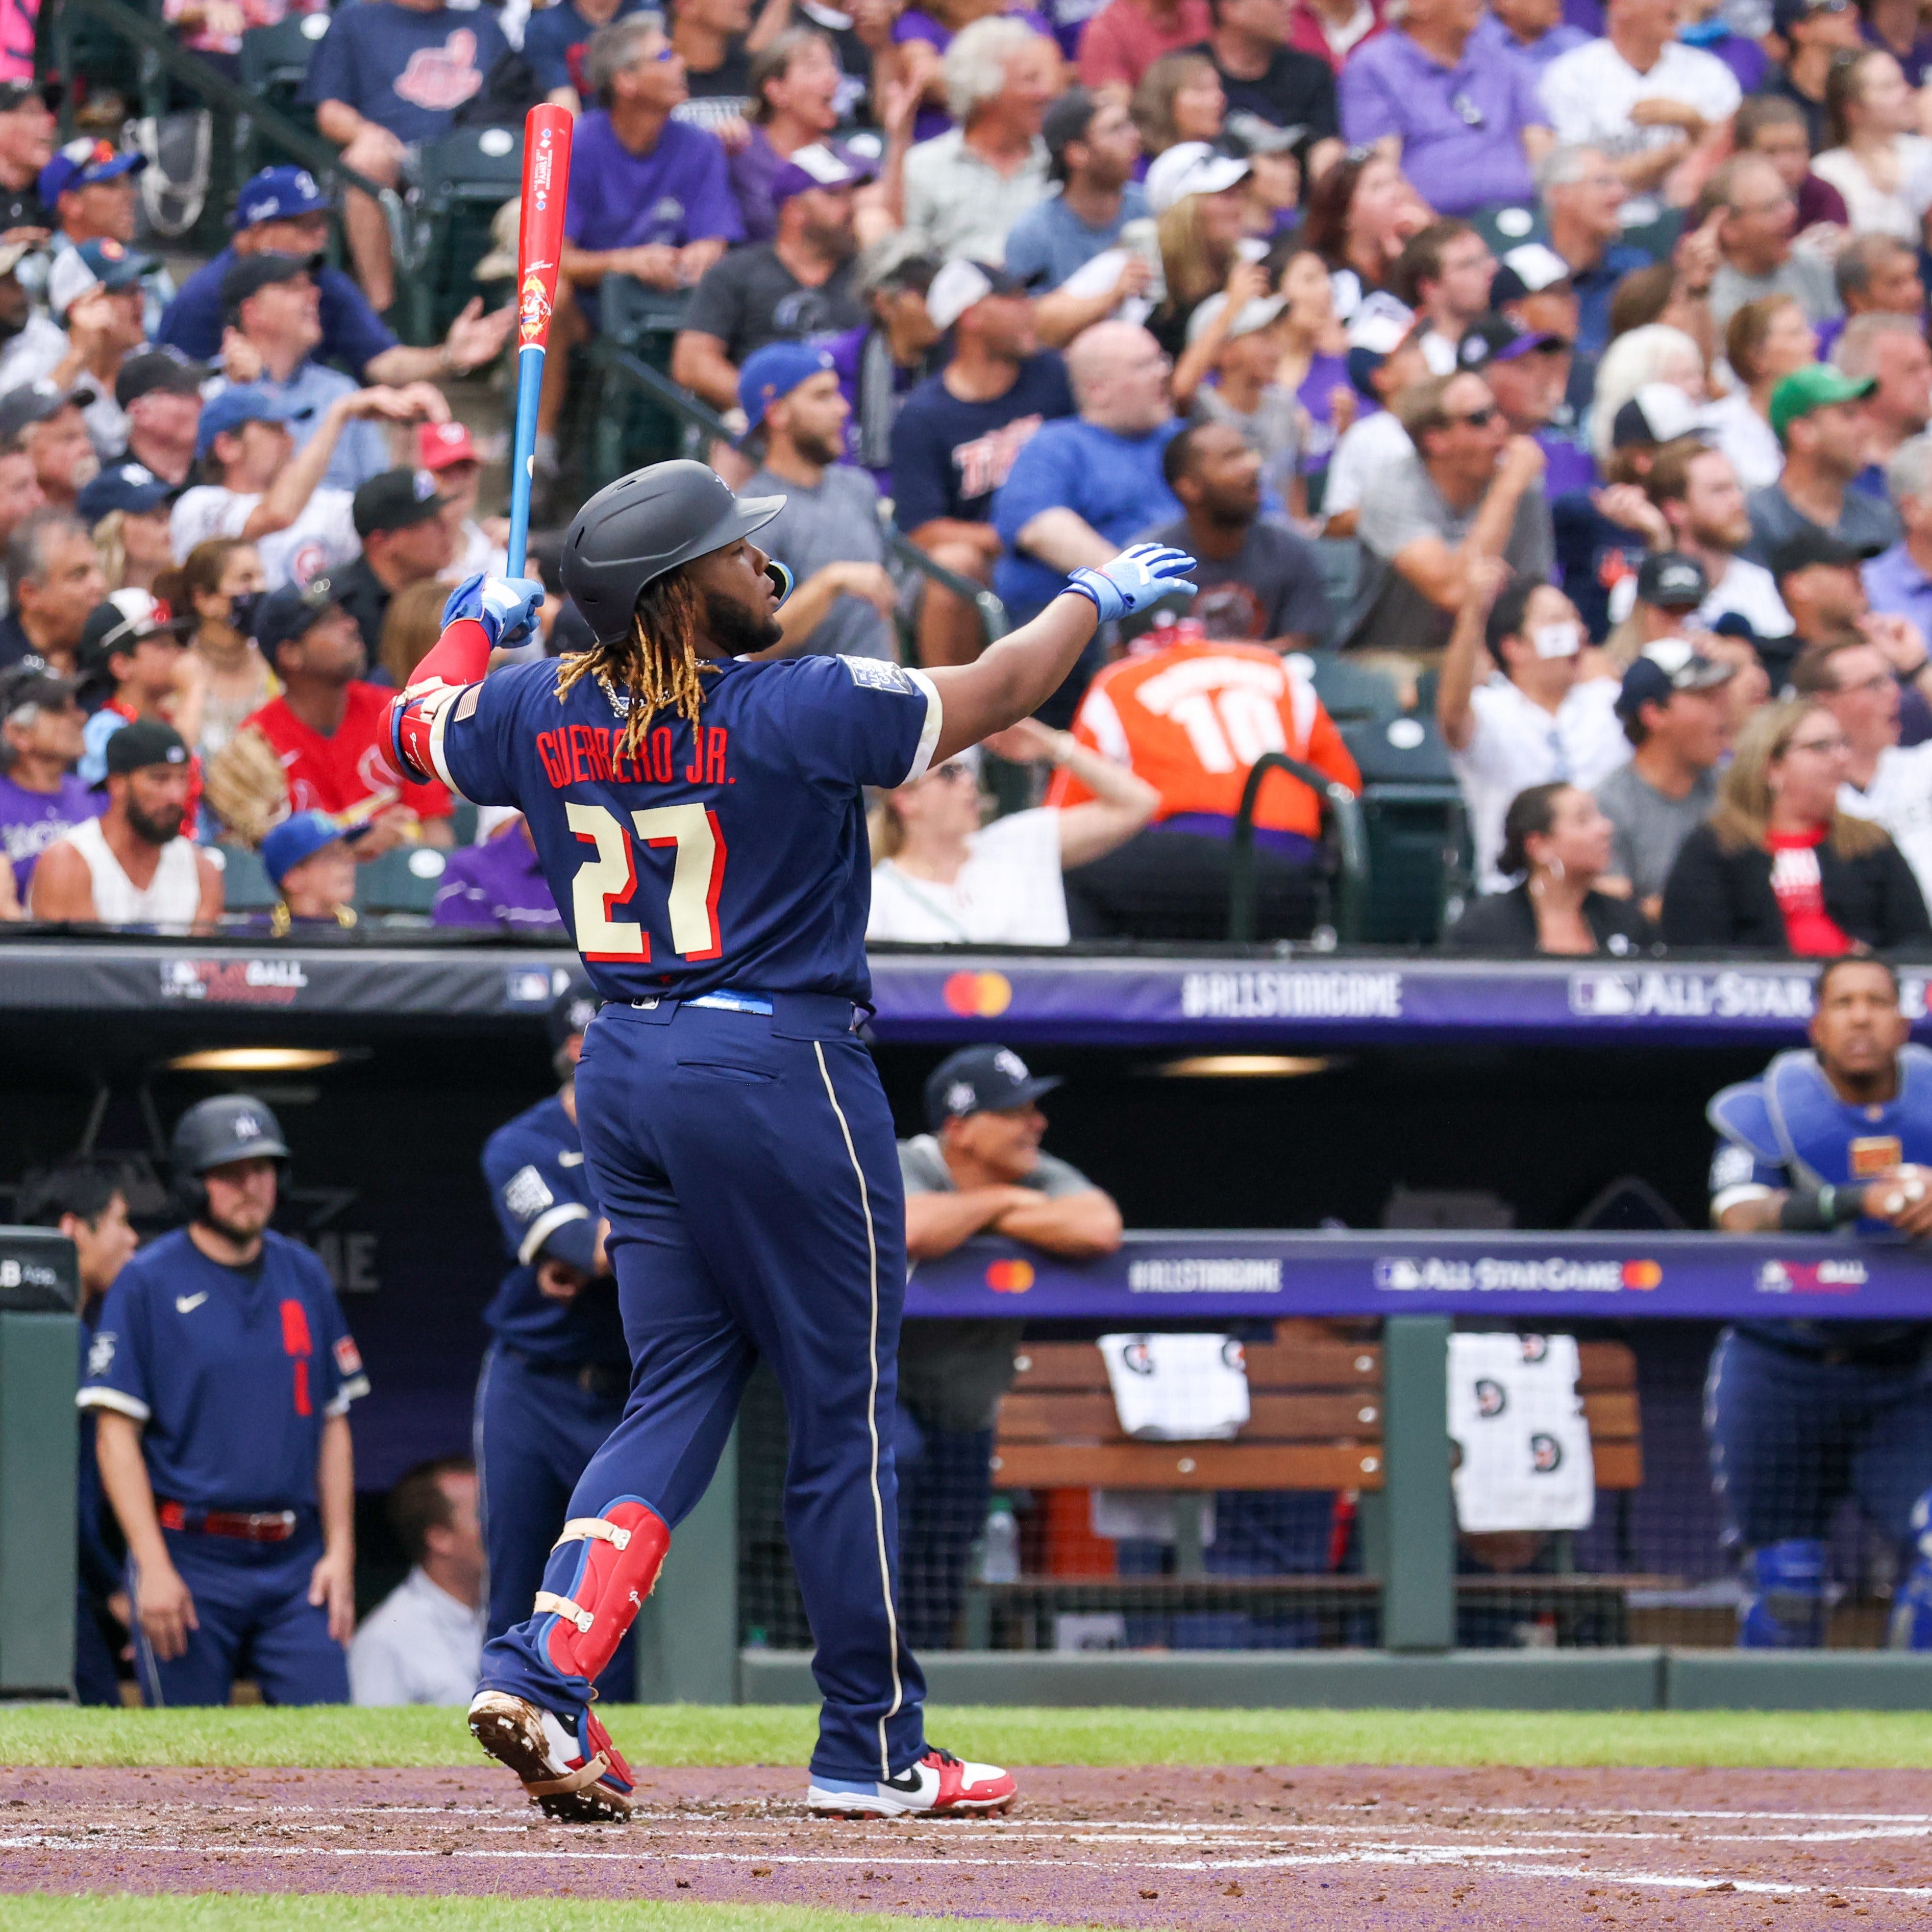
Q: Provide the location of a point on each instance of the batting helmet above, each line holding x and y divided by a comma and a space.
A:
645, 524
233, 1126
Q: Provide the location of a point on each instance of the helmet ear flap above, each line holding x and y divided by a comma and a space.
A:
782, 580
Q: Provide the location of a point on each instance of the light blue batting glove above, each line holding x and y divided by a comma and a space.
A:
1135, 580
506, 606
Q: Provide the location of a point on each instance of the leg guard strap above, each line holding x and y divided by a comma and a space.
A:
606, 1565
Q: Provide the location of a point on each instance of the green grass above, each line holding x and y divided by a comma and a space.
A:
269, 1912
691, 1734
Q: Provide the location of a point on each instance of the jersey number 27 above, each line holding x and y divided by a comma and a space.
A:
609, 879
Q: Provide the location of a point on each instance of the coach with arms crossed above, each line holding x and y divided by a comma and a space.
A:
221, 1377
979, 1171
1800, 1413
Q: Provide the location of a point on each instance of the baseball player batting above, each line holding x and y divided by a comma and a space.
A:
699, 816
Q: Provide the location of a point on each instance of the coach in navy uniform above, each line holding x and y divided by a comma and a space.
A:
553, 1383
221, 1378
1802, 1414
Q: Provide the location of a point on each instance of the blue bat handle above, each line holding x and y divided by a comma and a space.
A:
530, 386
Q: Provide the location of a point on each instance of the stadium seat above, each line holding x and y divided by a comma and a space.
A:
627, 427
274, 63
463, 179
403, 882
1341, 561
1350, 691
246, 887
1412, 808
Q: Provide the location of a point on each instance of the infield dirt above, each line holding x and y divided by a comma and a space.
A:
1342, 1849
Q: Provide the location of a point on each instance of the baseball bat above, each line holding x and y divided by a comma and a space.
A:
539, 249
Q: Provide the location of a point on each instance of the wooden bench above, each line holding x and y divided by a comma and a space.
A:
1316, 1422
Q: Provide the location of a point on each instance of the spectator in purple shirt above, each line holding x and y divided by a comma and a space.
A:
40, 798
649, 198
880, 363
1533, 30
1897, 26
1464, 118
498, 886
794, 91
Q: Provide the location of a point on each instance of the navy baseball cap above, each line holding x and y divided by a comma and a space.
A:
246, 403
396, 499
278, 194
1495, 338
982, 1080
127, 486
290, 613
83, 163
254, 273
1669, 665
302, 836
771, 374
573, 1009
166, 370
1672, 581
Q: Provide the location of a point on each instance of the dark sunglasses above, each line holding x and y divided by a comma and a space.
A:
1476, 419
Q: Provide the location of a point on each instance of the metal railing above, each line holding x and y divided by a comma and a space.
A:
157, 44
1339, 805
700, 416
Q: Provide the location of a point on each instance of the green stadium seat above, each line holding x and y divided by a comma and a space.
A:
1418, 835
274, 63
1349, 691
463, 179
627, 428
403, 881
1341, 561
246, 886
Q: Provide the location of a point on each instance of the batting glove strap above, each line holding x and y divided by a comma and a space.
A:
1133, 580
506, 606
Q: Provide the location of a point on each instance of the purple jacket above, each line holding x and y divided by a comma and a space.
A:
498, 885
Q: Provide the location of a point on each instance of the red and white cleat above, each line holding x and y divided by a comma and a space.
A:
939, 1784
582, 1780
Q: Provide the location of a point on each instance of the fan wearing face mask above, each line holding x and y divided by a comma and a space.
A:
220, 585
1517, 706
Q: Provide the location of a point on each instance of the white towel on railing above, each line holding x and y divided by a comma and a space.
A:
1177, 1388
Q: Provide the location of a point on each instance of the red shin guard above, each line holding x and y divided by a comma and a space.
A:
624, 1550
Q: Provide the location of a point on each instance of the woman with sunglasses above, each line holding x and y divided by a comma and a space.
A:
1779, 866
941, 876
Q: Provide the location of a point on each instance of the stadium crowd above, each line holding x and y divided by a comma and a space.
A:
1558, 376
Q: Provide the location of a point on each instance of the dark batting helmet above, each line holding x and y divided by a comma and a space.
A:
645, 524
233, 1126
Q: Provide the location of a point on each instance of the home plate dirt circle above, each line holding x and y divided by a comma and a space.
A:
1252, 1846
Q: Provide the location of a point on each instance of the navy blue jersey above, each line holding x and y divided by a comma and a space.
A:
731, 855
230, 1370
541, 1189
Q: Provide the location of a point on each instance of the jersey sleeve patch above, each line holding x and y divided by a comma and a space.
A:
525, 1193
878, 674
348, 1358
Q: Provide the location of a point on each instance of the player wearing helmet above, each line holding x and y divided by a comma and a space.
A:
700, 817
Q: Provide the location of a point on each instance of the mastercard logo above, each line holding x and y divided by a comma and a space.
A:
1009, 1277
981, 996
1643, 1274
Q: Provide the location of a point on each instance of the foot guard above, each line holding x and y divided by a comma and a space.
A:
939, 1784
583, 1782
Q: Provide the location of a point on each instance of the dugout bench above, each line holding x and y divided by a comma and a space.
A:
1316, 1422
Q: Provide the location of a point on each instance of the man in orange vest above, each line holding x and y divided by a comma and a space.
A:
1191, 715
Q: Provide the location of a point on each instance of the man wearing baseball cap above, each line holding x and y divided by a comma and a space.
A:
134, 866
1817, 415
40, 721
401, 517
1676, 712
884, 360
1669, 590
1528, 371
978, 1170
805, 271
132, 655
96, 294
829, 533
1092, 144
160, 395
282, 210
89, 186
448, 451
309, 859
326, 726
26, 145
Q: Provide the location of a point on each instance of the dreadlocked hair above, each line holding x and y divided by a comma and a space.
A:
657, 666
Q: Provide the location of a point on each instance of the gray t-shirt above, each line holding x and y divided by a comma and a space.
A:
837, 523
1801, 275
953, 1374
1401, 506
1277, 571
1651, 827
1866, 522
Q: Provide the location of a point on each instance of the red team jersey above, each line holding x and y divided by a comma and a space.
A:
1192, 719
333, 774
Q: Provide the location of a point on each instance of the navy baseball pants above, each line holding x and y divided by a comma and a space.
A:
1791, 1438
535, 1431
251, 1600
748, 1166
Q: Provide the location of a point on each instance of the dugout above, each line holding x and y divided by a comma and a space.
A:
1268, 1090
